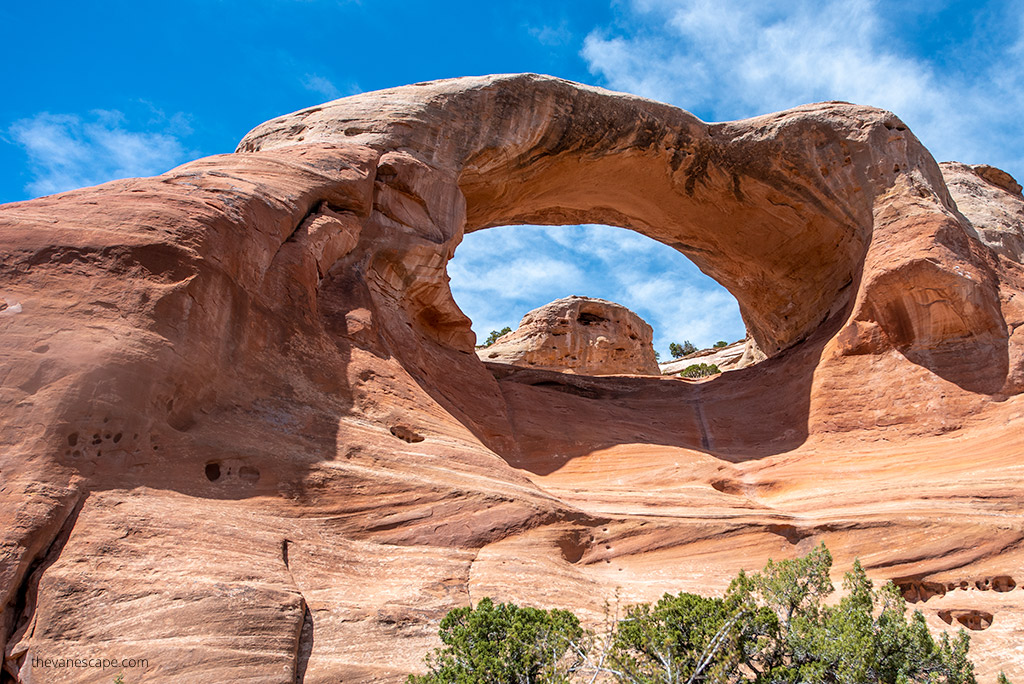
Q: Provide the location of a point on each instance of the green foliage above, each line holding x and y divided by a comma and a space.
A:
495, 334
680, 350
1003, 679
721, 343
700, 370
865, 638
678, 638
505, 644
771, 627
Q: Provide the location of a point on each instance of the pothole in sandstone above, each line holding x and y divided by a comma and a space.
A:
499, 274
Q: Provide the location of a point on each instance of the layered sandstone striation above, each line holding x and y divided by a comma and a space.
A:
246, 436
579, 335
726, 358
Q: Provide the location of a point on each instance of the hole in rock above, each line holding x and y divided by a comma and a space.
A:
406, 433
590, 319
971, 619
501, 273
213, 471
572, 392
1003, 583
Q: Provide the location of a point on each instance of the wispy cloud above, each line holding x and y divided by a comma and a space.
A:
67, 151
325, 87
727, 59
552, 35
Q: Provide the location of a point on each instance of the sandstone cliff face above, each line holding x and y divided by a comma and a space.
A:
246, 436
578, 335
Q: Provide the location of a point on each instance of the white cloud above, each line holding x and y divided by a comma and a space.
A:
519, 279
729, 59
66, 151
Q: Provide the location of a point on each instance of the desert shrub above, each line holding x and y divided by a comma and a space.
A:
865, 638
700, 370
770, 627
773, 626
671, 640
495, 334
721, 343
505, 644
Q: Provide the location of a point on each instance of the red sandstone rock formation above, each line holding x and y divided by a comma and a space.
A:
245, 435
579, 335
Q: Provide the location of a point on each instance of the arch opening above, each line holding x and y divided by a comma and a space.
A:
500, 274
782, 243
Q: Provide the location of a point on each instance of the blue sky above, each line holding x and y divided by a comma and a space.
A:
101, 90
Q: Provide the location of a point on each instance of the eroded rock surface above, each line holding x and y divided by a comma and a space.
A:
247, 438
992, 201
578, 335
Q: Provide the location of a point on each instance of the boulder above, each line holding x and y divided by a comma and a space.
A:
578, 335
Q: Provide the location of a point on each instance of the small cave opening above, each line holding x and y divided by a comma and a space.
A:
212, 471
590, 319
500, 274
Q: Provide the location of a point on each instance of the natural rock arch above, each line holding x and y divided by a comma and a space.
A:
265, 341
780, 209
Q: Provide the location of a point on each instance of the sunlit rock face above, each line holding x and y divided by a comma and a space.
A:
728, 357
246, 435
579, 335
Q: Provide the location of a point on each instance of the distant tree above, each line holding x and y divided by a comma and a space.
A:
700, 370
1003, 679
504, 644
495, 334
657, 356
721, 343
680, 350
